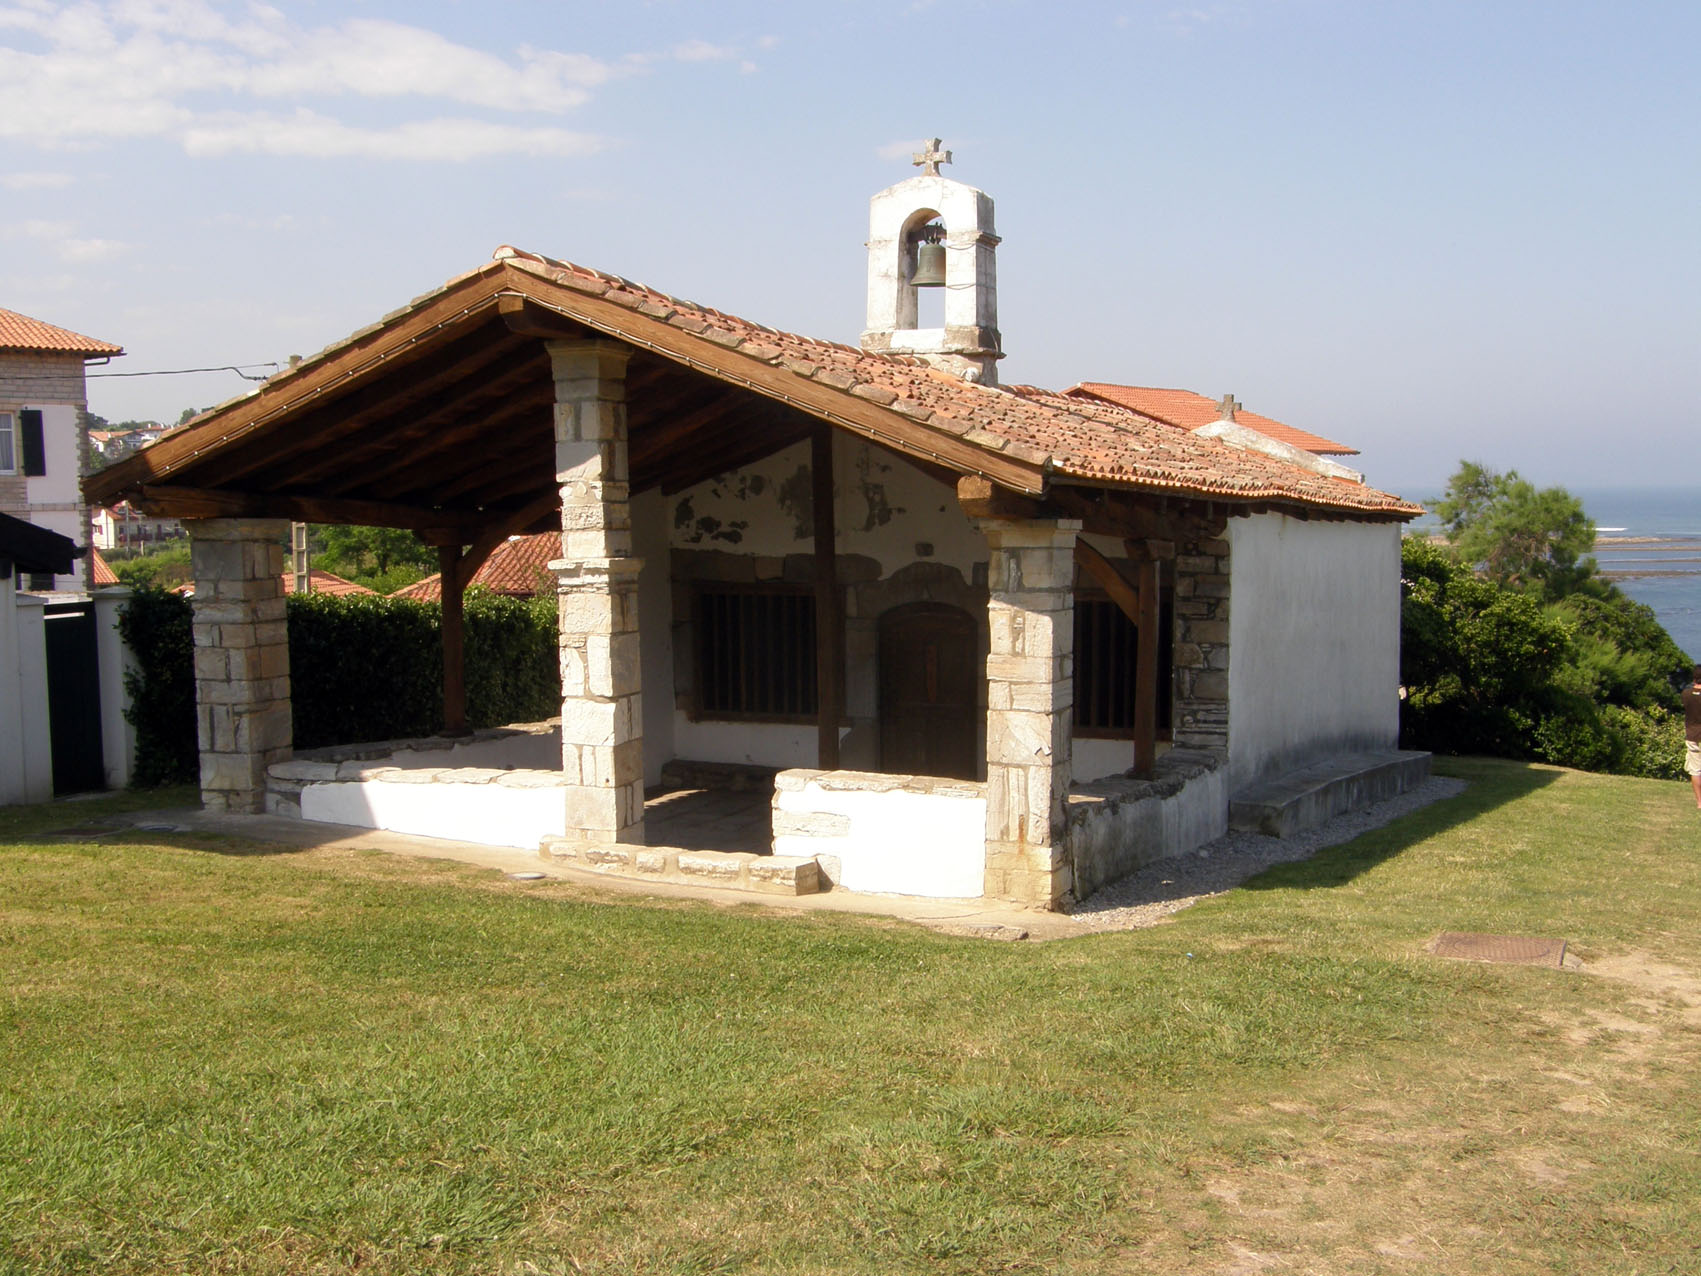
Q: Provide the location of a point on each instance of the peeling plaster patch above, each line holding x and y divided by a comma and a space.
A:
683, 514
880, 509
750, 486
797, 499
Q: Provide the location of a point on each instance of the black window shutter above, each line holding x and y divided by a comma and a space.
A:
34, 446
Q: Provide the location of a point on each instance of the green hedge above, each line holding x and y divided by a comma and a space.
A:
361, 668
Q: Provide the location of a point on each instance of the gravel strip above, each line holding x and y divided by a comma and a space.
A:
1148, 895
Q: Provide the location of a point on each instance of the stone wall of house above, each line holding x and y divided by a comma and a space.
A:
33, 378
1200, 718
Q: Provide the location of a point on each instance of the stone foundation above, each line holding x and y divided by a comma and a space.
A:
1117, 825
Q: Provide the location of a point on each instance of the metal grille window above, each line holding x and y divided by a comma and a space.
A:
756, 654
1106, 647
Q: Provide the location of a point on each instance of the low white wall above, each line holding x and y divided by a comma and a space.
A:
1314, 642
26, 752
892, 834
485, 807
1119, 825
117, 736
531, 751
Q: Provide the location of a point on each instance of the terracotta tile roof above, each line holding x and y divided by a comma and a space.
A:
1071, 438
1051, 436
326, 583
516, 568
103, 573
1191, 411
20, 332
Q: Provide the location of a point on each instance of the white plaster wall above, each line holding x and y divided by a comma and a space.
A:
117, 737
484, 814
883, 507
929, 844
26, 757
59, 440
1095, 759
1314, 641
655, 631
1112, 831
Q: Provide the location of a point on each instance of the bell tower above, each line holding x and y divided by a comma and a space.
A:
932, 232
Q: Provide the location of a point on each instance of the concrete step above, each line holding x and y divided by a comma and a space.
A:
729, 870
1311, 795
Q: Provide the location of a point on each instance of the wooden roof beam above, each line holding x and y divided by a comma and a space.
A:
164, 500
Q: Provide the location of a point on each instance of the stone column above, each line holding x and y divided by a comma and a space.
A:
241, 658
1030, 677
602, 743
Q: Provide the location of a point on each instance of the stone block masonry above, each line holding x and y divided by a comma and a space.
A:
1201, 654
602, 746
242, 706
1030, 671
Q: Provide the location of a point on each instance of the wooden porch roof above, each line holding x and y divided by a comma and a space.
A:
439, 418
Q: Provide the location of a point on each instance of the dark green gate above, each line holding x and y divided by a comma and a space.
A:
73, 698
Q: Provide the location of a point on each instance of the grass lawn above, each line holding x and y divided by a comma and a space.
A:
218, 1059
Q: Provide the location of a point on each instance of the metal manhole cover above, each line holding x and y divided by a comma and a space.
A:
1523, 950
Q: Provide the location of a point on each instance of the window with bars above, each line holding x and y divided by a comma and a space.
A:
755, 651
1107, 646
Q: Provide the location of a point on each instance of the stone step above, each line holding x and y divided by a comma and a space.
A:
728, 870
1311, 795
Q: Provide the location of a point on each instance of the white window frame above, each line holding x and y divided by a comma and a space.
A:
9, 442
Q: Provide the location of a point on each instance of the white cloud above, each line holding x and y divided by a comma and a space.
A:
902, 150
34, 181
308, 133
61, 240
189, 71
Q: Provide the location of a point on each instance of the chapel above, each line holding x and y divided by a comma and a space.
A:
971, 639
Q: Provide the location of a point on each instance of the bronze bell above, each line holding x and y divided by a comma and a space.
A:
929, 266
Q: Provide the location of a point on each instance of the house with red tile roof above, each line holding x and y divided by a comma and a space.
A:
43, 439
1189, 411
984, 639
518, 568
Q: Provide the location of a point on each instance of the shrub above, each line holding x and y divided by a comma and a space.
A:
361, 668
155, 625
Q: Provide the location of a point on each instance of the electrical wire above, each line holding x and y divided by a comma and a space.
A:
178, 372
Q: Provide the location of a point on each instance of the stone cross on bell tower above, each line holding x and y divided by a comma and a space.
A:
929, 208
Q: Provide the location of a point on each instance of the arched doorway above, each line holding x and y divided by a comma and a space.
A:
930, 677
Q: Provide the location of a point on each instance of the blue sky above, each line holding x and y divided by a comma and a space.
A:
1432, 230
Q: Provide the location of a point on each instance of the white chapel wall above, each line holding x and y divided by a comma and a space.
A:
1314, 632
891, 518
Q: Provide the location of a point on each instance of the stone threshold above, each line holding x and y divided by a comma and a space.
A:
728, 870
1312, 795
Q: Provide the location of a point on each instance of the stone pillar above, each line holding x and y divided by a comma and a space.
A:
1030, 677
1201, 714
241, 658
602, 742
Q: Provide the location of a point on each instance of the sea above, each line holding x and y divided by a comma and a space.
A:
1648, 543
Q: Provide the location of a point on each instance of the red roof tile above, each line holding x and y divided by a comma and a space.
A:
326, 583
1191, 411
1071, 438
517, 568
103, 573
20, 332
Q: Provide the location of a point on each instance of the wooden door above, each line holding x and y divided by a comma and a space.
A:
930, 677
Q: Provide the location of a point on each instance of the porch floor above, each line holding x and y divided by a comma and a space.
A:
710, 819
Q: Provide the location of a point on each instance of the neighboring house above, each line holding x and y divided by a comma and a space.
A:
124, 527
519, 568
1189, 411
996, 640
42, 430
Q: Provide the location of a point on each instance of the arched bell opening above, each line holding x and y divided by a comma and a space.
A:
924, 271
